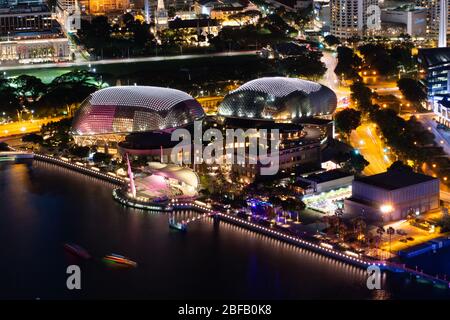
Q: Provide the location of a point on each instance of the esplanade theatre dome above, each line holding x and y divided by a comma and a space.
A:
129, 109
278, 98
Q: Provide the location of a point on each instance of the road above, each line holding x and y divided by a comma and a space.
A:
442, 137
330, 79
369, 144
22, 127
128, 60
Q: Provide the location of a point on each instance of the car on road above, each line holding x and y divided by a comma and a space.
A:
401, 232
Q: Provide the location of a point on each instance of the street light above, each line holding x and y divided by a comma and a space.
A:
386, 208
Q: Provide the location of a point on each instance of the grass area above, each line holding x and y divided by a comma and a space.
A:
45, 74
205, 68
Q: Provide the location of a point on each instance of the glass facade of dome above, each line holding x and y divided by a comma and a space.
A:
135, 109
278, 98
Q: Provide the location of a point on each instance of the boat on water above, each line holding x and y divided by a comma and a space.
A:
119, 260
77, 250
180, 226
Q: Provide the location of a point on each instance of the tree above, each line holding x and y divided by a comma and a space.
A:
362, 96
347, 120
307, 65
28, 86
380, 232
356, 163
100, 157
331, 40
9, 101
33, 138
348, 62
412, 90
80, 152
400, 166
4, 146
95, 34
390, 231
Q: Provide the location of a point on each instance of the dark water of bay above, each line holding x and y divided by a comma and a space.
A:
43, 206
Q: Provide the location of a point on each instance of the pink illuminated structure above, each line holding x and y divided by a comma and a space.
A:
130, 175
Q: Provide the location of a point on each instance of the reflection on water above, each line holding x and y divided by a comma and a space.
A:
43, 206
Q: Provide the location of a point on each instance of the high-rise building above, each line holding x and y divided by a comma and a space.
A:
433, 16
350, 17
161, 16
13, 3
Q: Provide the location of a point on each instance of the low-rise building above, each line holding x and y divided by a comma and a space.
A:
197, 27
34, 18
29, 34
392, 195
326, 181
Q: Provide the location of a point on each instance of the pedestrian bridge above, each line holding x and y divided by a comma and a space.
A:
14, 155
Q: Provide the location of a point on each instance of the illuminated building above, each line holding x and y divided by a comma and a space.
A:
35, 18
110, 114
159, 180
210, 104
287, 104
207, 6
279, 98
326, 181
30, 35
435, 64
291, 5
349, 17
161, 16
392, 195
139, 121
196, 27
35, 50
437, 28
413, 19
106, 6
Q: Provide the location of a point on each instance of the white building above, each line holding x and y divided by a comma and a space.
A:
414, 19
35, 50
349, 17
392, 195
433, 16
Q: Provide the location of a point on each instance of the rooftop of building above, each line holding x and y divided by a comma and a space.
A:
225, 3
192, 23
24, 8
410, 7
245, 123
432, 57
395, 179
328, 176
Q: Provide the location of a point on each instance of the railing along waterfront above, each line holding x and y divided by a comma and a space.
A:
328, 250
79, 168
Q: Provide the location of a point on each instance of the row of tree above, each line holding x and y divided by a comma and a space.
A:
384, 57
26, 93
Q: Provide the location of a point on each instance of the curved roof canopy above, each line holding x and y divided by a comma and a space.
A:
278, 98
135, 109
176, 172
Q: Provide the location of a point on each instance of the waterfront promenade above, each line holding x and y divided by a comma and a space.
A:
323, 248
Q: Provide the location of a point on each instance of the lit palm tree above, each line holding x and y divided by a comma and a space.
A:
380, 232
390, 232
